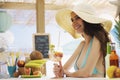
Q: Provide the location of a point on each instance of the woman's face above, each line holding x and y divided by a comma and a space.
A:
77, 23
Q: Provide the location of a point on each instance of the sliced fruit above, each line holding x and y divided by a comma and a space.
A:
58, 54
110, 71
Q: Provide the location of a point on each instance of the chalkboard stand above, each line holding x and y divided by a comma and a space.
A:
41, 42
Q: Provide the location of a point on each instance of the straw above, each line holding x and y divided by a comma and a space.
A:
59, 40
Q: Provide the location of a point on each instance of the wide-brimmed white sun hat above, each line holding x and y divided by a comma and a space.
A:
85, 12
115, 2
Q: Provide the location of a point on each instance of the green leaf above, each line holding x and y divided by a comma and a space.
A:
117, 27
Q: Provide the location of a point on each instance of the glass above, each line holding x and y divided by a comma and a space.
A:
56, 56
107, 60
21, 60
3, 70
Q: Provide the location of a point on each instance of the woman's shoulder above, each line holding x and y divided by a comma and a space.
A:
82, 42
95, 40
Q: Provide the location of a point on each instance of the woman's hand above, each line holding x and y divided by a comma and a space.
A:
68, 74
58, 70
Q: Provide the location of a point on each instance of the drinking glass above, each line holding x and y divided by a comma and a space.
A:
56, 57
3, 70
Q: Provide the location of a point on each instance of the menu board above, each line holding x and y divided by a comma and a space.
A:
41, 43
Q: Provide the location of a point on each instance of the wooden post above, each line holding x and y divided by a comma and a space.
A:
40, 17
40, 23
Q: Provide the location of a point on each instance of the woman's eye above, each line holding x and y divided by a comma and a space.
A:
76, 18
71, 19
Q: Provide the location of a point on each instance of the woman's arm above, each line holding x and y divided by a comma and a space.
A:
90, 63
57, 69
72, 59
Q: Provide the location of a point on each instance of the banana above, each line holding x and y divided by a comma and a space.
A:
42, 61
35, 65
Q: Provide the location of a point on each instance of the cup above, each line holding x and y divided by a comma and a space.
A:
11, 70
3, 67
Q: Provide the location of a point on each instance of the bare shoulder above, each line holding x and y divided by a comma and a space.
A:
82, 42
95, 40
79, 47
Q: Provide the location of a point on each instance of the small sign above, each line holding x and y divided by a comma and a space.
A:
41, 43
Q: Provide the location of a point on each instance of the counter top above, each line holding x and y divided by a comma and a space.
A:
50, 75
66, 78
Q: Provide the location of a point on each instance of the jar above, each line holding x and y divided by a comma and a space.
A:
3, 70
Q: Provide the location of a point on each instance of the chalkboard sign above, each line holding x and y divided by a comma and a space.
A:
41, 43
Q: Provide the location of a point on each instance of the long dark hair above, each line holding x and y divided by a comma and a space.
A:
100, 33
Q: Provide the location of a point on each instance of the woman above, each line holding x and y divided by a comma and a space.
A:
88, 58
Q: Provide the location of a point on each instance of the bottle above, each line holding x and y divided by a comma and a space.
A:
114, 59
107, 61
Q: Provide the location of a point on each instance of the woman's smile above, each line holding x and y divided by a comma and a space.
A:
77, 27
